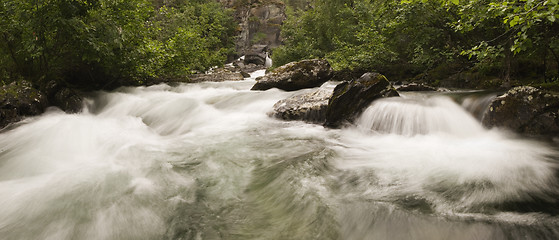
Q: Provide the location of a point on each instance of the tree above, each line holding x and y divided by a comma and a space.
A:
95, 44
411, 37
525, 27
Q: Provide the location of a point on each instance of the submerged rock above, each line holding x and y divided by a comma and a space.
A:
308, 107
18, 100
351, 98
415, 87
525, 110
296, 75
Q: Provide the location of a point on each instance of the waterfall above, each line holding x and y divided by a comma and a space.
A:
205, 161
268, 62
413, 116
478, 104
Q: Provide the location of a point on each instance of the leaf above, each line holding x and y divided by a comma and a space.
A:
455, 2
551, 18
514, 21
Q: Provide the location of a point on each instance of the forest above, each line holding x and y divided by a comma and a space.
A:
103, 44
97, 44
495, 42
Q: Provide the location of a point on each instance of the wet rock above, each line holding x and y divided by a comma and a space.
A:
68, 100
256, 55
296, 75
239, 66
351, 98
415, 87
217, 75
19, 100
526, 110
245, 74
308, 107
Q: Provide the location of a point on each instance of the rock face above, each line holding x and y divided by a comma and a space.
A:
259, 23
351, 98
18, 100
525, 110
308, 107
296, 75
415, 87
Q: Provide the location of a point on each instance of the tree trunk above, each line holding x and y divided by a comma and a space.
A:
556, 58
507, 65
545, 65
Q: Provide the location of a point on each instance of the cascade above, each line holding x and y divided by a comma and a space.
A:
205, 161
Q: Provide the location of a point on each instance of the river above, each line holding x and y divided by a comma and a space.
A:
205, 161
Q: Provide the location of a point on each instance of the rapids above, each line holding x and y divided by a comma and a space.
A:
204, 161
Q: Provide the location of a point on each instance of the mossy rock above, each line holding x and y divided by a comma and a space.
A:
296, 75
18, 100
526, 110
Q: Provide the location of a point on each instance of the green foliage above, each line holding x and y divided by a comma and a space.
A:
506, 30
409, 37
194, 36
93, 43
368, 34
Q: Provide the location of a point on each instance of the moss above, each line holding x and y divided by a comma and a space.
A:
551, 86
18, 89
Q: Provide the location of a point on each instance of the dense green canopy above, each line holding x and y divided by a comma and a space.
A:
92, 43
98, 43
507, 39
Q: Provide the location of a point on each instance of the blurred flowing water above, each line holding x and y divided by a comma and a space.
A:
204, 161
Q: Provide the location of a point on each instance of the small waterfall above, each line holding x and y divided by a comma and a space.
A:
411, 116
268, 62
477, 104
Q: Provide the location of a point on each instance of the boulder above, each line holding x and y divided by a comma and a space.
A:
415, 87
18, 100
256, 55
296, 75
308, 107
351, 98
526, 110
68, 100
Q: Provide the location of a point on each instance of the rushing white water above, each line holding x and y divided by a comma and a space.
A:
477, 105
268, 62
204, 161
416, 115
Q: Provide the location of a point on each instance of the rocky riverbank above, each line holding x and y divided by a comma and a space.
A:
525, 110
